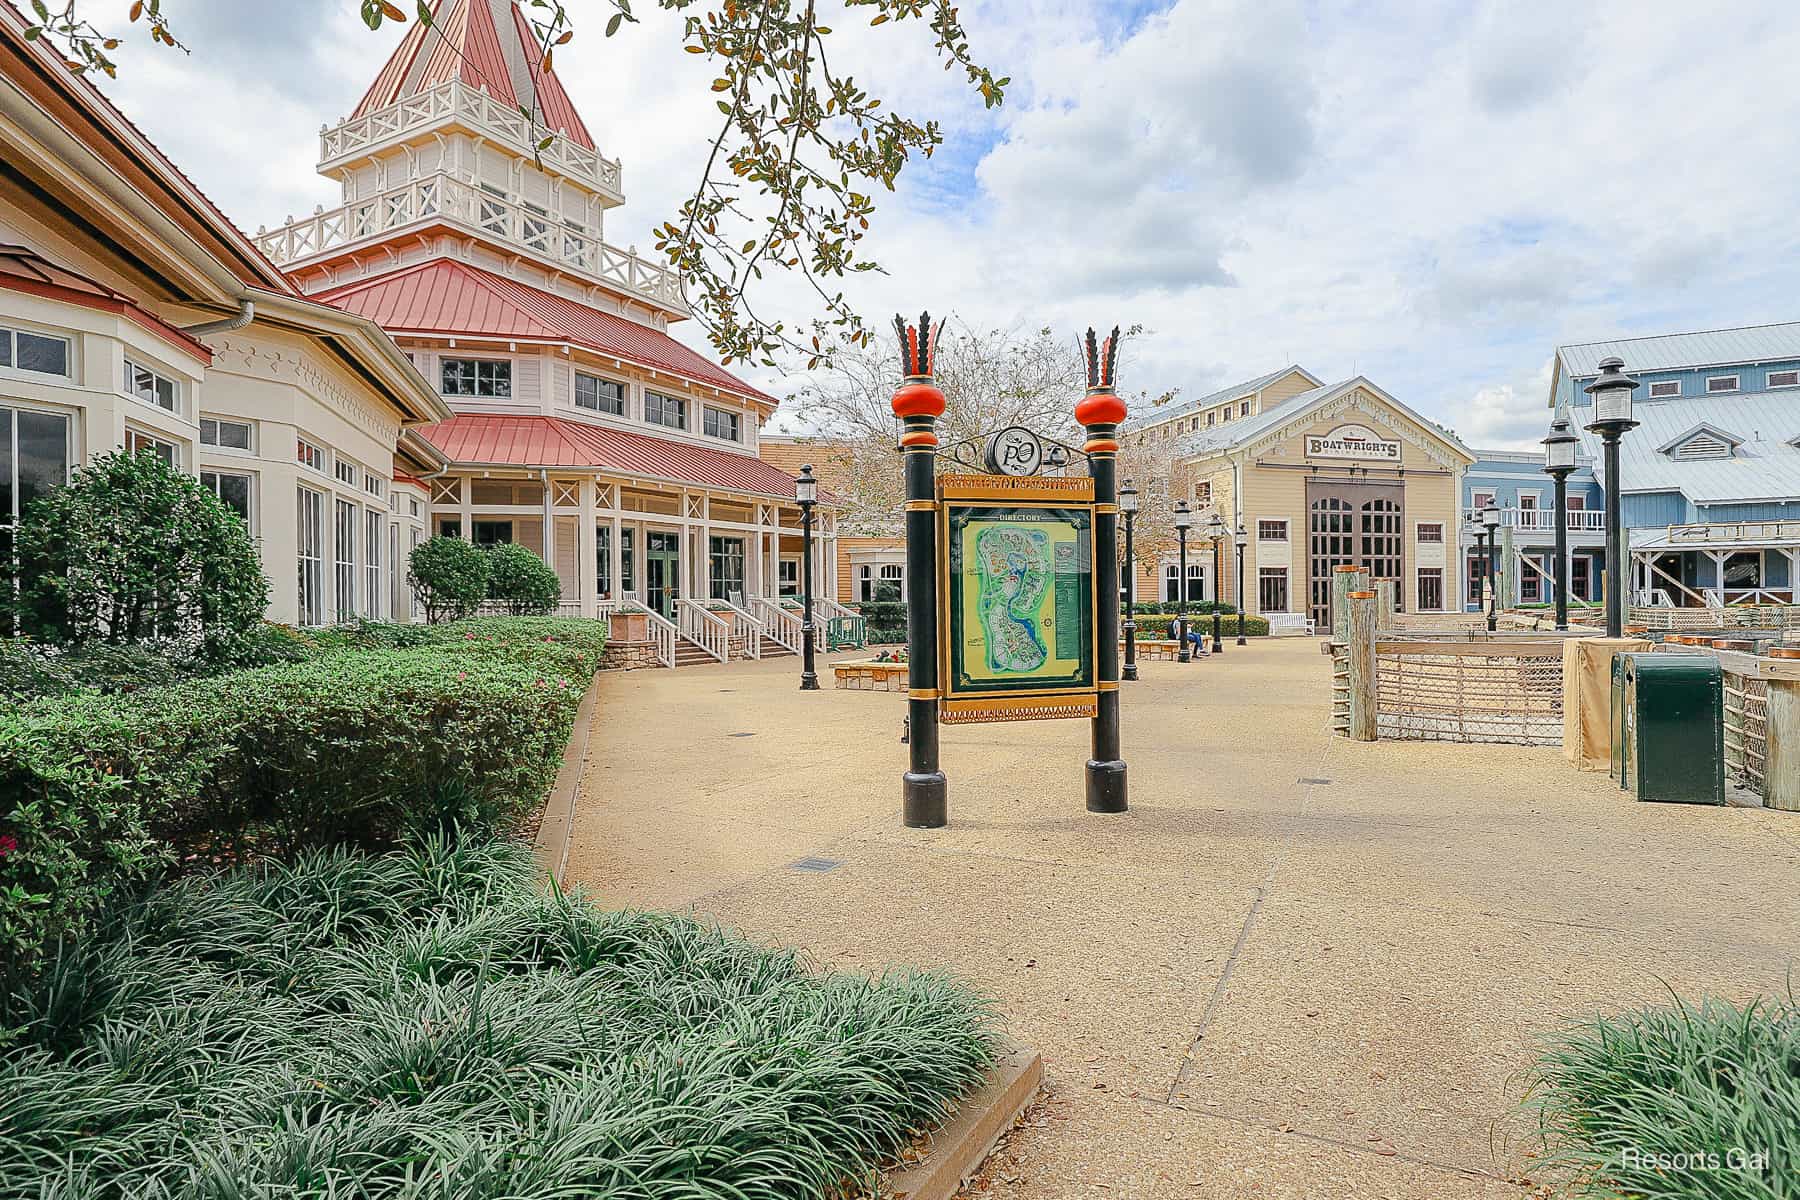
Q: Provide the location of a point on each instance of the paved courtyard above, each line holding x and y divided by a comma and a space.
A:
1299, 967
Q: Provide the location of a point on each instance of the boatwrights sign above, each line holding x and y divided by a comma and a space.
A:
1352, 441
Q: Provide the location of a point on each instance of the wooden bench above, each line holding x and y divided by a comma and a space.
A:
1166, 648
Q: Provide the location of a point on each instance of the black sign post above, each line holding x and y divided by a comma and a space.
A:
1101, 413
918, 403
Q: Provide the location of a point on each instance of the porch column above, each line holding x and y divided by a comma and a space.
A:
547, 547
615, 549
703, 553
587, 554
465, 508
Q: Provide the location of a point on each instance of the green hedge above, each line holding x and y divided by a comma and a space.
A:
1151, 626
105, 793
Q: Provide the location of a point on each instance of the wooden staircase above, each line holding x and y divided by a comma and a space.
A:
774, 649
689, 653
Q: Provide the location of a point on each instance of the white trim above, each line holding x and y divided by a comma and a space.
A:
1653, 394
1771, 385
1736, 380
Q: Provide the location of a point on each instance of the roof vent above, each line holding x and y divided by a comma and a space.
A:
1702, 442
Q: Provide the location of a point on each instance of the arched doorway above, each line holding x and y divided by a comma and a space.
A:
1353, 524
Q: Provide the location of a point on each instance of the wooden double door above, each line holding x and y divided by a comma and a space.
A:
1354, 524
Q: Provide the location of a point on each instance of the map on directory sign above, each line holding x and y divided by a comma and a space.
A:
1020, 601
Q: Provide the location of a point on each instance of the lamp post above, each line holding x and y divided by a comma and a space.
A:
1490, 517
806, 492
1243, 539
1480, 536
1184, 521
1217, 530
1612, 419
1559, 461
1128, 505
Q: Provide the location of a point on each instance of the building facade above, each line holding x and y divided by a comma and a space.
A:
1710, 480
1524, 548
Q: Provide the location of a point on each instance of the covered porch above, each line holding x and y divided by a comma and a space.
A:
1717, 565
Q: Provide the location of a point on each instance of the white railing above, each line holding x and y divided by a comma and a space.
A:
749, 626
444, 197
831, 608
456, 101
661, 631
1735, 531
778, 623
1579, 520
707, 630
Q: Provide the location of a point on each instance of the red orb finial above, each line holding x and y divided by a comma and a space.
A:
1101, 405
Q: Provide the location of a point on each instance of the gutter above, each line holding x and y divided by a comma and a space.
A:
246, 313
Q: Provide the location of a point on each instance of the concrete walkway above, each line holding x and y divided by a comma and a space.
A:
1299, 967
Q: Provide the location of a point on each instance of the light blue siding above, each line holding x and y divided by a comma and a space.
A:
1775, 510
1654, 509
1693, 382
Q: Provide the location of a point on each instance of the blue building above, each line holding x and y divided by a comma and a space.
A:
1710, 481
1514, 481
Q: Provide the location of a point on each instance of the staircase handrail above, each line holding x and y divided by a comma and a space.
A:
782, 626
704, 628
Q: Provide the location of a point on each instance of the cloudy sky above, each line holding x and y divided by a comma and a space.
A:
1432, 195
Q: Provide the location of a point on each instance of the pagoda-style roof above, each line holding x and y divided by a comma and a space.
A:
447, 298
486, 44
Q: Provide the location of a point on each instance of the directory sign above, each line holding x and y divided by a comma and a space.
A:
1018, 594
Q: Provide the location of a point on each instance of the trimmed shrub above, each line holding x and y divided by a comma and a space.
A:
134, 552
449, 576
1155, 628
886, 620
102, 794
522, 581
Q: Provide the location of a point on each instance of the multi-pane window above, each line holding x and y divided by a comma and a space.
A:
309, 455
1431, 532
627, 561
1203, 493
1272, 531
1244, 409
372, 565
1431, 589
599, 395
344, 546
232, 488
665, 410
34, 457
492, 533
1529, 590
727, 568
226, 435
717, 422
477, 377
27, 351
603, 561
1784, 379
345, 471
312, 557
136, 440
884, 582
1665, 387
787, 574
373, 483
1580, 576
150, 387
1272, 589
1722, 383
1196, 583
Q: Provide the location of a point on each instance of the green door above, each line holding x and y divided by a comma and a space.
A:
662, 572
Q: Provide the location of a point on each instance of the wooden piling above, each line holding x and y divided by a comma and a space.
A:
1781, 771
1360, 640
1385, 596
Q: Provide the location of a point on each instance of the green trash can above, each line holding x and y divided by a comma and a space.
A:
1669, 727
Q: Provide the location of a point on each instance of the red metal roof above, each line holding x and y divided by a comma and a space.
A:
463, 41
480, 439
445, 298
24, 270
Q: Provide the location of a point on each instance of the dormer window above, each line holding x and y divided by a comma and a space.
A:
481, 378
1721, 383
1784, 379
1663, 388
1702, 442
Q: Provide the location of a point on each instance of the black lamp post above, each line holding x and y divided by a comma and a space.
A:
1128, 505
1243, 539
1480, 536
1218, 531
1490, 517
806, 491
1559, 461
1612, 419
1184, 521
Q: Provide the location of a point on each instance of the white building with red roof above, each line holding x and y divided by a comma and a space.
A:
475, 236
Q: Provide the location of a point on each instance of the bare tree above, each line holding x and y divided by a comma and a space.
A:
1157, 468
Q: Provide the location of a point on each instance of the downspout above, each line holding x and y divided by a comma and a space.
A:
246, 313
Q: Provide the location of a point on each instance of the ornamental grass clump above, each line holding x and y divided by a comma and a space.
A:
432, 1024
1678, 1103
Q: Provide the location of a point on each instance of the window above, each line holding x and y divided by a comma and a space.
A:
34, 458
599, 395
627, 562
1203, 493
1272, 589
1211, 418
1431, 589
1530, 584
493, 533
716, 422
37, 352
150, 387
309, 455
1665, 387
1244, 409
1272, 531
344, 543
728, 568
881, 582
603, 561
372, 546
136, 440
1722, 383
1477, 578
226, 435
477, 377
232, 489
1196, 583
665, 410
1784, 379
312, 557
345, 471
449, 527
1431, 533
414, 501
373, 484
1225, 413
787, 576
1580, 570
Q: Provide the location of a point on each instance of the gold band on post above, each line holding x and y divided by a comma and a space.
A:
1107, 685
924, 694
1108, 509
921, 506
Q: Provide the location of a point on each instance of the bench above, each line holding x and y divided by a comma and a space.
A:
1166, 648
1290, 625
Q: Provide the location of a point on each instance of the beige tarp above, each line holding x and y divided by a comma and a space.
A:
1587, 698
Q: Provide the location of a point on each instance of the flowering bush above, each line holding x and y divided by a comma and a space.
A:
522, 581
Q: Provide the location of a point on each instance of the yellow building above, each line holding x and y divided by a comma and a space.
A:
1318, 477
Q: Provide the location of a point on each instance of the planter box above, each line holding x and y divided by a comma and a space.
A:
629, 627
